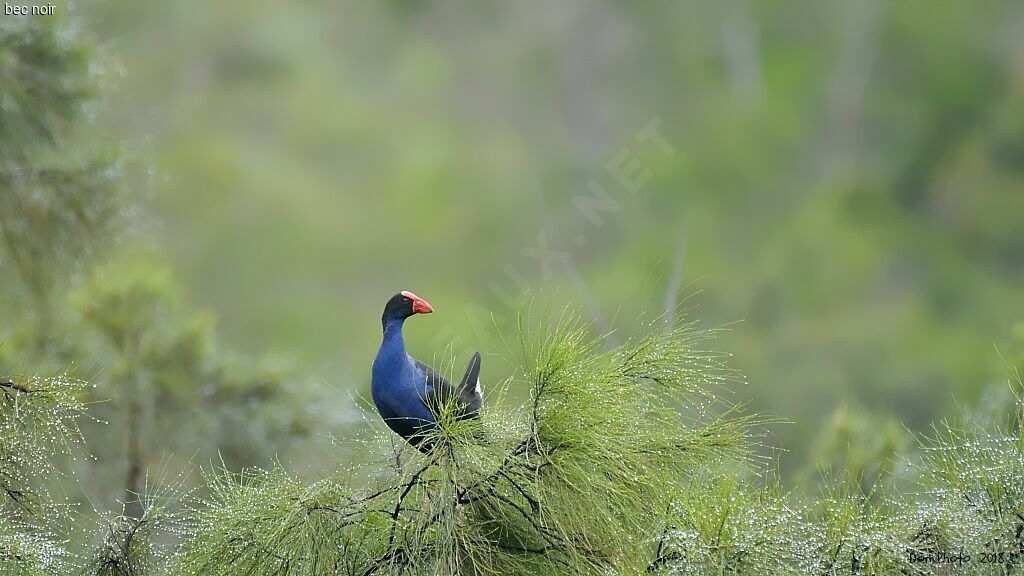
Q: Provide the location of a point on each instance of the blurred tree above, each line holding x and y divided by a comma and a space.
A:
92, 304
865, 447
54, 206
162, 369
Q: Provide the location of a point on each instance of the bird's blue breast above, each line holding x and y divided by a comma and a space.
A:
398, 388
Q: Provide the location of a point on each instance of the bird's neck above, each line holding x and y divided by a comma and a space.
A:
391, 359
393, 343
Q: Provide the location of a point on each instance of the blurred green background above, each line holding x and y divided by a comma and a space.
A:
842, 183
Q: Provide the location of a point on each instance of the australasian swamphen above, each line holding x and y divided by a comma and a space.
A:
406, 391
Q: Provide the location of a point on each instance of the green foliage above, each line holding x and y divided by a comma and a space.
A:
25, 551
865, 269
85, 298
55, 208
162, 365
860, 445
964, 497
37, 421
45, 81
571, 482
129, 542
622, 462
598, 474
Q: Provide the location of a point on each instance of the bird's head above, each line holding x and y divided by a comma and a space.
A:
403, 305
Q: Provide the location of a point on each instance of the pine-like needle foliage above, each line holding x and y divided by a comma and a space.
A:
37, 420
960, 511
574, 482
128, 546
620, 462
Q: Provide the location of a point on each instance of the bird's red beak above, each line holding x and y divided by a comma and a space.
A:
419, 305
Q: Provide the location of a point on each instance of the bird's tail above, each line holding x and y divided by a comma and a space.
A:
471, 395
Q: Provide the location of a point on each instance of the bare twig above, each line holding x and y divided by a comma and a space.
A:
10, 384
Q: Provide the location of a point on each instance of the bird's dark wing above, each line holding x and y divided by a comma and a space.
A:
435, 379
441, 391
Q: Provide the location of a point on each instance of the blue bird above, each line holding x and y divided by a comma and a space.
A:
407, 391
